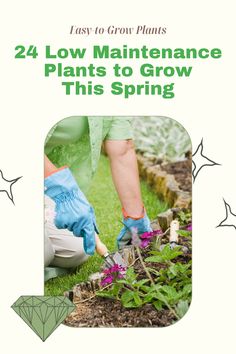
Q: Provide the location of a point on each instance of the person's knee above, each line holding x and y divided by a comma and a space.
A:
78, 257
69, 252
72, 260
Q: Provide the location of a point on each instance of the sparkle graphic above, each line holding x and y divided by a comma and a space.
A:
200, 160
230, 219
6, 185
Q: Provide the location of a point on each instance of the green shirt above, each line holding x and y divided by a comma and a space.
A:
76, 142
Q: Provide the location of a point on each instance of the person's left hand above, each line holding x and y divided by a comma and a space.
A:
141, 225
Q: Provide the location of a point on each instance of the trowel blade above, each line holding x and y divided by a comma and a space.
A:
119, 260
114, 258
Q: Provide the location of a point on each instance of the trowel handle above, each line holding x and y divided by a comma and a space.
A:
174, 226
101, 249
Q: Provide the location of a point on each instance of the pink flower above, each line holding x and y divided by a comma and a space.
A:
107, 280
113, 273
144, 243
150, 234
189, 227
146, 237
107, 271
115, 268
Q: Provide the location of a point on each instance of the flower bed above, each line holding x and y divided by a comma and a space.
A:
154, 290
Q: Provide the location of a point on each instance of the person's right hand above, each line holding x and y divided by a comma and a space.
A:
73, 211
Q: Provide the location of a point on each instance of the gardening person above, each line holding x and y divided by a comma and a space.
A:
76, 142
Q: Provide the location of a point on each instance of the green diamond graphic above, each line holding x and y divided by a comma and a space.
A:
43, 314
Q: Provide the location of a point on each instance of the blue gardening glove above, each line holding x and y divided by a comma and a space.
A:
125, 236
73, 211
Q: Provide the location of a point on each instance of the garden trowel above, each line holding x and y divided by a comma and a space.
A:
110, 258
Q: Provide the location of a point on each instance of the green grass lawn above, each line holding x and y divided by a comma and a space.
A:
103, 197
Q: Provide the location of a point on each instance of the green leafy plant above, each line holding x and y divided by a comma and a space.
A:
184, 217
165, 255
184, 233
162, 137
182, 307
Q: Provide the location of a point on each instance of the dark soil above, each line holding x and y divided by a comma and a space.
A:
182, 170
101, 312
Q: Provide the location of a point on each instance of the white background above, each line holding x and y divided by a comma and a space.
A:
204, 105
